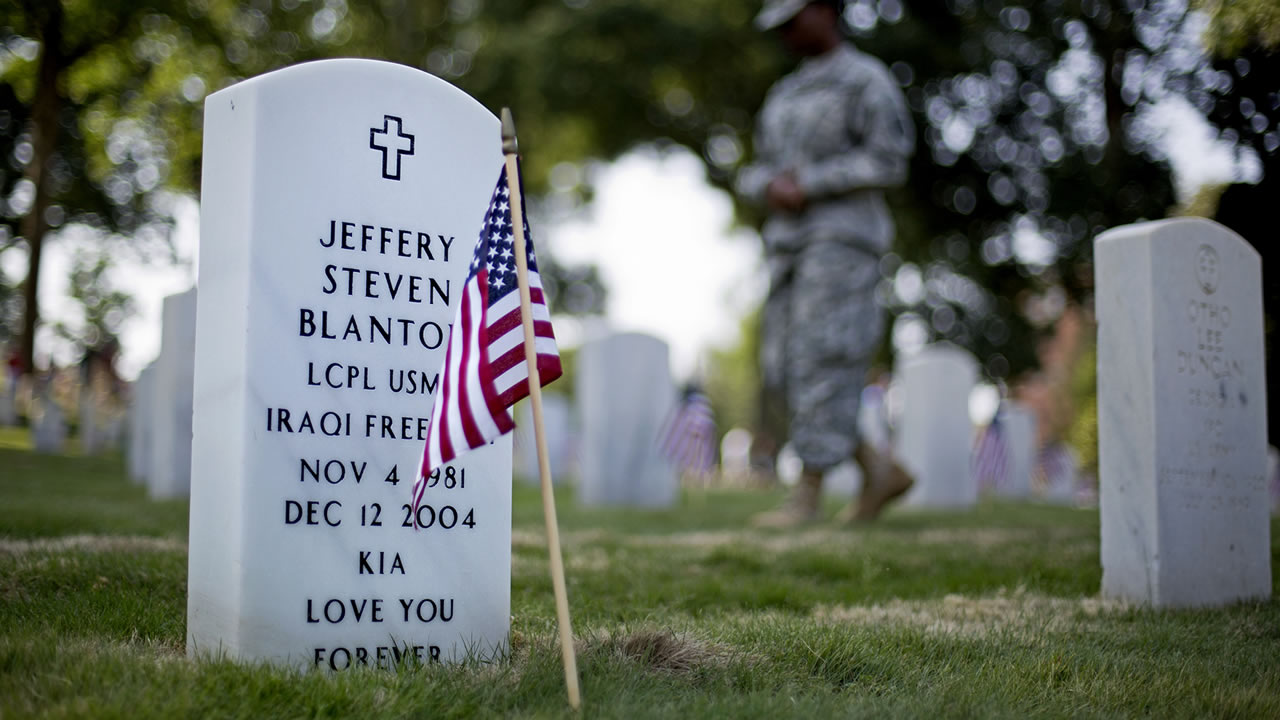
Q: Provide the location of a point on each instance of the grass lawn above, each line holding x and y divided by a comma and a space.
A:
682, 613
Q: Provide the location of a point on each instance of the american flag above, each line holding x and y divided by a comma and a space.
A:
689, 439
484, 371
991, 455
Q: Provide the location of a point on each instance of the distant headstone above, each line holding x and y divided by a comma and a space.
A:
92, 437
1181, 415
1057, 474
557, 420
1016, 426
9, 397
843, 481
789, 466
138, 452
935, 435
169, 471
625, 394
49, 434
735, 456
1020, 429
341, 203
113, 433
9, 403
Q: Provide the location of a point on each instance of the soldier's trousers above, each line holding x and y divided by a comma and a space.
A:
820, 330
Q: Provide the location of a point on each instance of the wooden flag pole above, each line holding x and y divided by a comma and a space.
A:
567, 653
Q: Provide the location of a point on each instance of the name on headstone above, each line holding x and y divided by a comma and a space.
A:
341, 203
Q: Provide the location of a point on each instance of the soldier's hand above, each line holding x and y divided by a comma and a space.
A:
785, 194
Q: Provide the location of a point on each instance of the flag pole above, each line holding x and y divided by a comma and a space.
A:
567, 652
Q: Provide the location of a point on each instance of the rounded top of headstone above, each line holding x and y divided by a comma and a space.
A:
1187, 229
942, 352
631, 339
347, 72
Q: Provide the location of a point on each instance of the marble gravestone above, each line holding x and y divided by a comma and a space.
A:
557, 421
625, 395
92, 437
1018, 424
9, 402
844, 481
1181, 415
169, 468
49, 434
935, 436
1058, 474
341, 203
138, 451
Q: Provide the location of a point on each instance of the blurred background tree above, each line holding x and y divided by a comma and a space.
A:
1034, 119
99, 108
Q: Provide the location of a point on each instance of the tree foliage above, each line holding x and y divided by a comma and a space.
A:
1031, 116
97, 101
1030, 119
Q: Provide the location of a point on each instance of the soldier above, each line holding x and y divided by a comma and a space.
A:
831, 136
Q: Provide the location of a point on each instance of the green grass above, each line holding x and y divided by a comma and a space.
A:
678, 613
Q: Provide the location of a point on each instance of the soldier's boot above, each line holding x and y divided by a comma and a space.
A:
762, 459
883, 480
801, 508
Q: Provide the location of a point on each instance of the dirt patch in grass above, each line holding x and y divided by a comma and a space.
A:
1018, 611
92, 543
987, 538
815, 538
660, 650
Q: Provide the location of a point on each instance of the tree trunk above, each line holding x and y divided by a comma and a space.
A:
44, 138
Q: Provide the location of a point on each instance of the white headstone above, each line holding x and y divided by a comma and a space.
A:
1059, 474
341, 203
1018, 424
92, 437
1181, 415
50, 430
735, 455
843, 482
113, 433
138, 453
935, 435
625, 395
9, 402
169, 472
557, 420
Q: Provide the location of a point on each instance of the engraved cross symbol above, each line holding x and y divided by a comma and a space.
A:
1207, 268
400, 142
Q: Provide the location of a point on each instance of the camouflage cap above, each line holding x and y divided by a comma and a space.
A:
777, 12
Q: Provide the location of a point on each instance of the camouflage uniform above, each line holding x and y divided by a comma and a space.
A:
840, 125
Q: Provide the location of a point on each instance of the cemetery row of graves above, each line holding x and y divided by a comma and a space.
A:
290, 403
